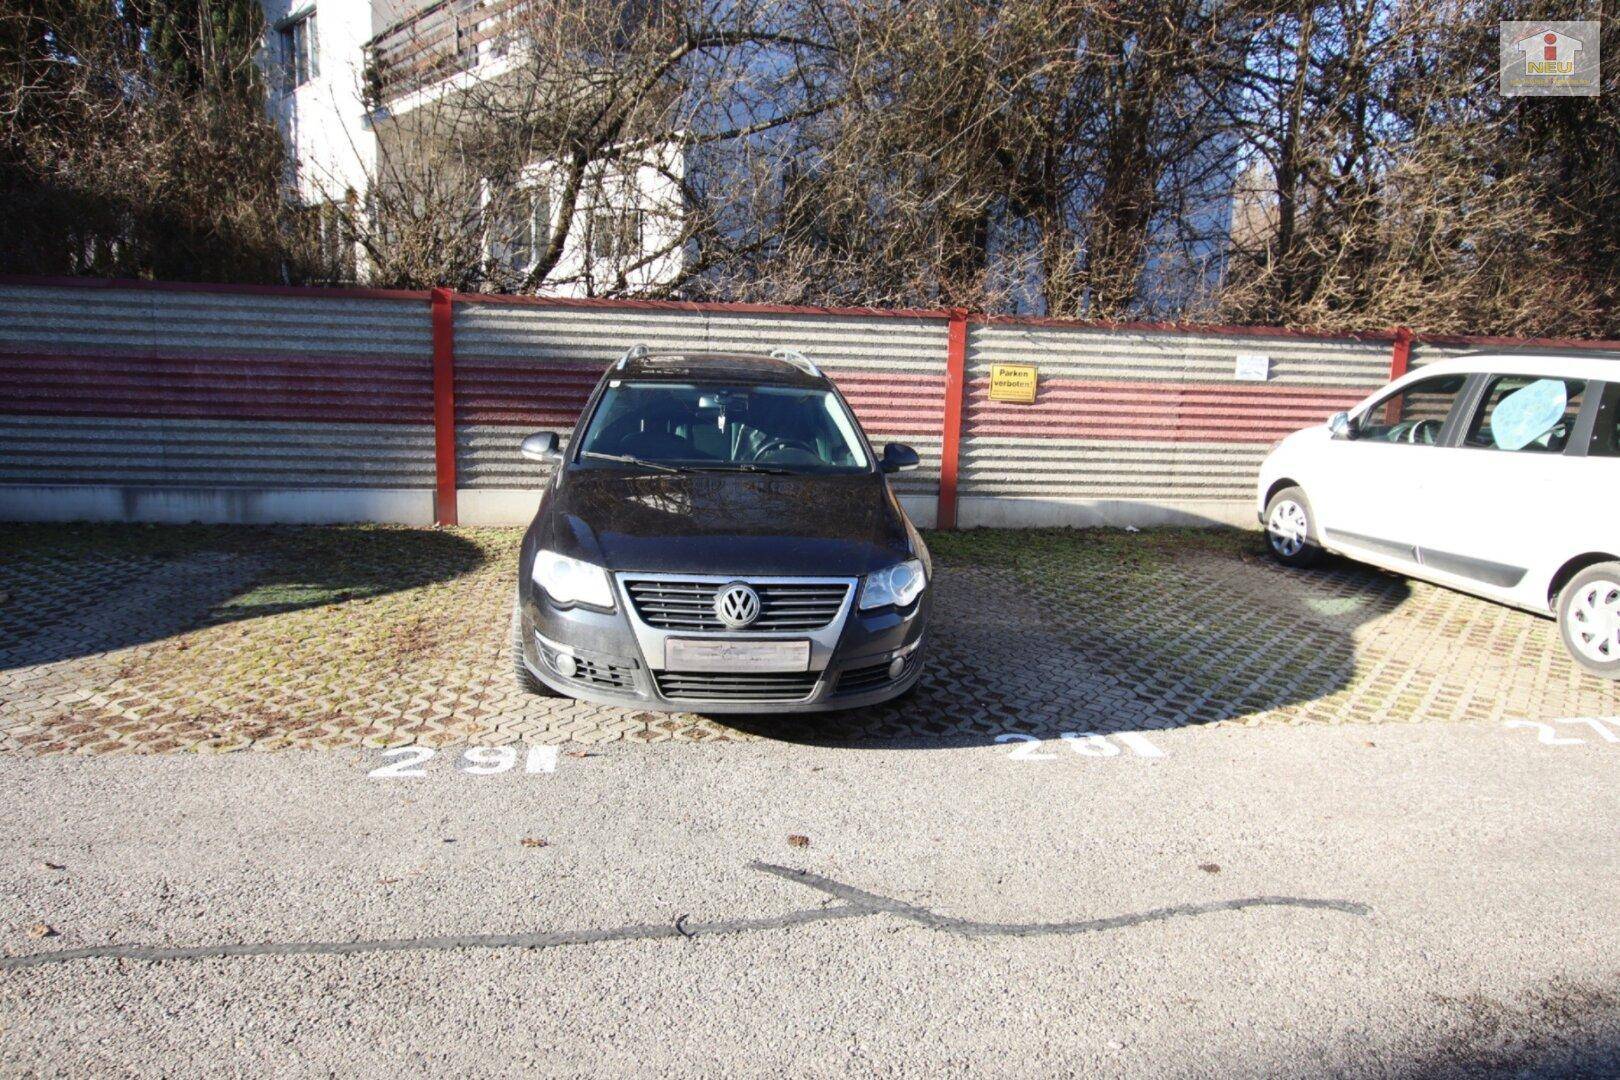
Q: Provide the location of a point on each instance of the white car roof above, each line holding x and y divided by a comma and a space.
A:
1575, 365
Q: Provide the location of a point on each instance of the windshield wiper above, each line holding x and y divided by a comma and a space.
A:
742, 466
628, 459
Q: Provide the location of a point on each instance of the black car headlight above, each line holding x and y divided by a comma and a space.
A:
894, 586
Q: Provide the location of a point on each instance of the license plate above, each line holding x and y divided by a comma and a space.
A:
688, 654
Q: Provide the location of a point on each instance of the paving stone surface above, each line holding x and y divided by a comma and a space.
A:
118, 639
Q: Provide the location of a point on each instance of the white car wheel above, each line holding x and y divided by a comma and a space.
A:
1286, 528
1289, 532
1589, 618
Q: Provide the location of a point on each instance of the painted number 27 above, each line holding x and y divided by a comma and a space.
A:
1547, 735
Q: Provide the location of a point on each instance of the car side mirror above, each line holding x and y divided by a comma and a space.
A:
898, 457
541, 446
1342, 426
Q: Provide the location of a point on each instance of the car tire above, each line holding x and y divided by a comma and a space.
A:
1291, 529
527, 681
1589, 619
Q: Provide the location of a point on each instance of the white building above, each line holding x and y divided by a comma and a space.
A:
360, 89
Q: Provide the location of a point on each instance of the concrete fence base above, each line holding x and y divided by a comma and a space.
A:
223, 506
1035, 513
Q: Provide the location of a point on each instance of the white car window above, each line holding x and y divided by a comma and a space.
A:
1412, 415
1522, 412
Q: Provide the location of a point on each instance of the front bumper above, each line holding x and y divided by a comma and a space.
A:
608, 664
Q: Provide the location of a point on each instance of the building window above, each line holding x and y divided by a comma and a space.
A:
616, 234
299, 54
331, 239
519, 227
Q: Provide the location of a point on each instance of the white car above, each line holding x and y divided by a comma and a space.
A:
1497, 474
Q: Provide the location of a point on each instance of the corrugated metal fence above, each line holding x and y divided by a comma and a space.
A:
145, 401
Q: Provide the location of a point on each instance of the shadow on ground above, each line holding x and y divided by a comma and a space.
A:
1052, 631
74, 590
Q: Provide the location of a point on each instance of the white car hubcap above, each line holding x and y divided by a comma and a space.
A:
1594, 621
1287, 527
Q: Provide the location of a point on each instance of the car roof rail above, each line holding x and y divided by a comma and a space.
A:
634, 352
797, 359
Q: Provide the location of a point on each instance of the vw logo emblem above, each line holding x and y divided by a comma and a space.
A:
737, 605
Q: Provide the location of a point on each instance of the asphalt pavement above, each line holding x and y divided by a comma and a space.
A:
1360, 900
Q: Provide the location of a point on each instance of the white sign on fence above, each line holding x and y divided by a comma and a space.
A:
1252, 367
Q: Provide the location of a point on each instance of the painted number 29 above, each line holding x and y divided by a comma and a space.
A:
475, 761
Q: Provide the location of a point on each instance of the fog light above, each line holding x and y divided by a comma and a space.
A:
896, 667
567, 666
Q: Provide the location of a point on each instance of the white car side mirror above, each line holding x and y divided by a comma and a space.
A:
1339, 424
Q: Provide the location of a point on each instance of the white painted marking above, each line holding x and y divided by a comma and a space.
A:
488, 760
473, 761
1089, 744
1138, 744
411, 758
1598, 724
1546, 734
1026, 752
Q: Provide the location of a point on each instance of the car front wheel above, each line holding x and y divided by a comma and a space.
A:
1589, 619
1291, 530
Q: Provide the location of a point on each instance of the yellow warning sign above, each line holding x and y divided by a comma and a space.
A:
1012, 382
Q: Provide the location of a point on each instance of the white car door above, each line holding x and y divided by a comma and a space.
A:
1370, 488
1504, 500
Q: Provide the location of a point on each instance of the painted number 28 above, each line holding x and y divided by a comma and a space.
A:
1084, 743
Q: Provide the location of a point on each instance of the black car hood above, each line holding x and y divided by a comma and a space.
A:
725, 523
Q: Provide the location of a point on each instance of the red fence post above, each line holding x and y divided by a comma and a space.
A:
1400, 357
951, 435
444, 406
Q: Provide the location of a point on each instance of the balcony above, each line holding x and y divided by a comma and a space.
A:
437, 43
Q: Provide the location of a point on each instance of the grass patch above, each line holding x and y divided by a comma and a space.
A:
1032, 549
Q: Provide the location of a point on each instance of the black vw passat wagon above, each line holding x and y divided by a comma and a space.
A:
720, 537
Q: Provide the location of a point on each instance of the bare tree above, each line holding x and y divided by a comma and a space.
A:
1306, 162
1394, 193
568, 164
136, 144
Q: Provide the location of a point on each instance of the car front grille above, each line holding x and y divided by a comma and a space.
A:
689, 605
607, 676
736, 685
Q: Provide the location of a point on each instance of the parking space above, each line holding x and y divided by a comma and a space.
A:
1160, 807
150, 639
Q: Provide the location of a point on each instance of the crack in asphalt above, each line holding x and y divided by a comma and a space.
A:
874, 904
857, 903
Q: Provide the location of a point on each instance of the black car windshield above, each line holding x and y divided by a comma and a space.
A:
775, 428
